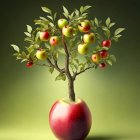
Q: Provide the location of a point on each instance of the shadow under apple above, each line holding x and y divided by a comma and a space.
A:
103, 138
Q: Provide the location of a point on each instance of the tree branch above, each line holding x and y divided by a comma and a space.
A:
45, 65
67, 71
55, 66
78, 73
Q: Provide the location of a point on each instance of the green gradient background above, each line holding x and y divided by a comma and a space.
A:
113, 94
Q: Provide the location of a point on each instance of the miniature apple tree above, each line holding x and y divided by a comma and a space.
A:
84, 43
71, 44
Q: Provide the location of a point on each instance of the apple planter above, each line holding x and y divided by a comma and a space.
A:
70, 120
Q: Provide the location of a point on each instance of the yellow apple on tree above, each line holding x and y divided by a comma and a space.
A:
84, 26
95, 58
54, 40
89, 38
67, 31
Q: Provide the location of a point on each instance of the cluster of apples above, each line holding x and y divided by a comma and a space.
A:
68, 31
97, 57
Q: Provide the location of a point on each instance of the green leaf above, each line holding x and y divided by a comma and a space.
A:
28, 39
27, 34
55, 16
118, 36
119, 30
104, 28
107, 33
61, 76
24, 60
108, 21
71, 16
47, 10
81, 9
96, 21
16, 48
76, 60
85, 14
29, 28
111, 24
30, 48
112, 58
51, 24
23, 55
50, 17
87, 7
77, 12
108, 61
51, 70
66, 15
43, 18
65, 10
115, 39
105, 48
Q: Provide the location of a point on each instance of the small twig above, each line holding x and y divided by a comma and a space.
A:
45, 65
55, 66
78, 73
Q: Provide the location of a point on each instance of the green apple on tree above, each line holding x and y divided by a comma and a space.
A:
70, 119
62, 23
83, 48
41, 54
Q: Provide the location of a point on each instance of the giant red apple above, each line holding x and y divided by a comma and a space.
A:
70, 120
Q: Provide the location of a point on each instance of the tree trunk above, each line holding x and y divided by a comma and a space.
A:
71, 89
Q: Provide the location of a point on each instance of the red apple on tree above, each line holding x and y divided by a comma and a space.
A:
62, 23
29, 64
106, 43
44, 36
84, 26
102, 65
103, 54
